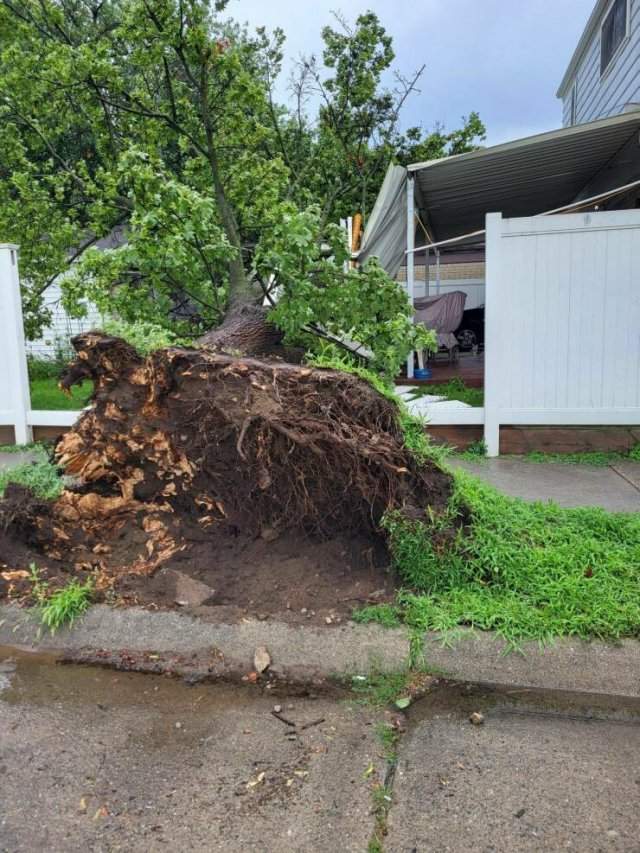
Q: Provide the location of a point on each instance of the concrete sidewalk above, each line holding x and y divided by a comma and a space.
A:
11, 458
615, 487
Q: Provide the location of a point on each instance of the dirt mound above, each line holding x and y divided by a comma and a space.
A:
191, 453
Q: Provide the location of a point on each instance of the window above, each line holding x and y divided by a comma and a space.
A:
613, 32
573, 104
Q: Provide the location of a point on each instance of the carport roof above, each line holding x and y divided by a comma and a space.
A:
519, 178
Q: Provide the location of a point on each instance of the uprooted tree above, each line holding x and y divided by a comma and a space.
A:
160, 119
189, 445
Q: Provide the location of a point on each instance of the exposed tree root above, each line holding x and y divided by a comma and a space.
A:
190, 444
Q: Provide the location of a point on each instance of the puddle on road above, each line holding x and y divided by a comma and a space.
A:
38, 679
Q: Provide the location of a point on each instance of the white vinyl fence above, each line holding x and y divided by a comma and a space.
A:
562, 321
562, 336
562, 324
15, 402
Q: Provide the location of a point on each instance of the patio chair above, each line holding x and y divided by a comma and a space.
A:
443, 314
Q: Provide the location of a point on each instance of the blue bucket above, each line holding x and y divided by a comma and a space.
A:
422, 373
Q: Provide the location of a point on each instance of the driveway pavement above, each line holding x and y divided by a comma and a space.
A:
96, 760
615, 487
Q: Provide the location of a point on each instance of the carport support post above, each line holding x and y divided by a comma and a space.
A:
12, 343
411, 231
492, 334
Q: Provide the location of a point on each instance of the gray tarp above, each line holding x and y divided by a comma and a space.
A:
385, 232
443, 314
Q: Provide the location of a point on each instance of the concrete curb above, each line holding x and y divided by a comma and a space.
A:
173, 641
568, 664
177, 642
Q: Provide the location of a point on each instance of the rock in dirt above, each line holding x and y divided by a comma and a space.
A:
476, 719
189, 591
261, 659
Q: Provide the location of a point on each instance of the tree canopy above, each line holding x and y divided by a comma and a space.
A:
161, 119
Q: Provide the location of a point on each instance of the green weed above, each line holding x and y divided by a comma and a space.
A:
379, 689
384, 614
42, 477
23, 448
65, 605
48, 368
475, 451
38, 586
389, 738
382, 800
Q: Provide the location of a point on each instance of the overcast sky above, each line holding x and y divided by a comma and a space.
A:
502, 58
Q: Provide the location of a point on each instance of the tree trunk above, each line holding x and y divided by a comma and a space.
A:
245, 331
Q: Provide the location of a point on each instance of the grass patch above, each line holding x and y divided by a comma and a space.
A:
45, 395
389, 738
22, 448
42, 477
454, 389
388, 615
591, 457
382, 800
529, 571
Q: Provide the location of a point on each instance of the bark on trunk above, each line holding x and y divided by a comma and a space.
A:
245, 331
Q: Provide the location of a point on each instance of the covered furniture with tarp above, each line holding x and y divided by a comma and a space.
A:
443, 314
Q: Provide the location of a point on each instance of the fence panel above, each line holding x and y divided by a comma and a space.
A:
562, 321
14, 382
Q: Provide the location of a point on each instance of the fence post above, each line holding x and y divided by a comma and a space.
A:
410, 262
492, 333
12, 343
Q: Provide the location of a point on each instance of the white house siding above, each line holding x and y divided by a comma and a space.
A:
620, 85
55, 337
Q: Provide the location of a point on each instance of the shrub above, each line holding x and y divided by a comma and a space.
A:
143, 336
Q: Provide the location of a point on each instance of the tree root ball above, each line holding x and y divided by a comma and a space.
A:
193, 445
